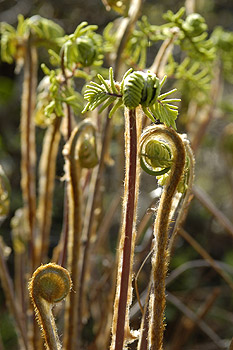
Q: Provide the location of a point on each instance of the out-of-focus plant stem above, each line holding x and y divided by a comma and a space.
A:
46, 184
7, 286
28, 153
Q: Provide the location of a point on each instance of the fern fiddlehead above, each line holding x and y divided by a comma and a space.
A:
155, 157
49, 284
79, 152
136, 89
160, 257
140, 88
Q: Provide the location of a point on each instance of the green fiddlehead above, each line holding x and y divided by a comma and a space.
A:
87, 151
136, 89
140, 88
155, 157
49, 284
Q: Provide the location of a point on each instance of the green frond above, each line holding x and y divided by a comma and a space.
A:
107, 93
162, 96
165, 113
117, 105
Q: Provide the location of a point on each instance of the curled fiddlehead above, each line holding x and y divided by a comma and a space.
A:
161, 226
155, 157
49, 284
87, 152
156, 160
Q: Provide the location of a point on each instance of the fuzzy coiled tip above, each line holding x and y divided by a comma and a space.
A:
50, 282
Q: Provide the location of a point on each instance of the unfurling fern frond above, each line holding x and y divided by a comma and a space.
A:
136, 89
155, 157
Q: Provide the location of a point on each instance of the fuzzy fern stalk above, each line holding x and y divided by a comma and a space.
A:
121, 334
47, 171
49, 284
80, 152
161, 226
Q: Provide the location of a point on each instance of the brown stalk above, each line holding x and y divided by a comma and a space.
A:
7, 286
206, 256
47, 171
128, 235
62, 245
91, 219
74, 238
161, 58
125, 32
28, 153
187, 326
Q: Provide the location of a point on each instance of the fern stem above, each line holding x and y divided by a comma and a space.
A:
123, 292
161, 58
46, 185
91, 219
159, 260
7, 286
74, 239
28, 154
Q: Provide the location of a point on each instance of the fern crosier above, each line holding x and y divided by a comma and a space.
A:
155, 157
136, 89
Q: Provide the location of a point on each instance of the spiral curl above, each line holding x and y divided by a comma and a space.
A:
49, 284
155, 157
87, 154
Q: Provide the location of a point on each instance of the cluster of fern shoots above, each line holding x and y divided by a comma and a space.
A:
81, 124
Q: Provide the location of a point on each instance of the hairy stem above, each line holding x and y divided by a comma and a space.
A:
127, 241
91, 221
74, 238
46, 185
159, 260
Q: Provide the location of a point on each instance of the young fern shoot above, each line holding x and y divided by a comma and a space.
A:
137, 89
173, 160
79, 152
49, 284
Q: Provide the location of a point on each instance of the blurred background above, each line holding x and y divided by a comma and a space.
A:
210, 218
